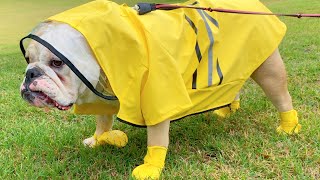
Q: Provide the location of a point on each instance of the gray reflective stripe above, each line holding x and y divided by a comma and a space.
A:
196, 2
219, 72
191, 24
198, 52
215, 22
194, 79
210, 51
199, 56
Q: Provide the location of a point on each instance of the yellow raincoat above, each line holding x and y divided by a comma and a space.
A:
169, 64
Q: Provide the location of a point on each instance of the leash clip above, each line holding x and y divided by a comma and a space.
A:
144, 8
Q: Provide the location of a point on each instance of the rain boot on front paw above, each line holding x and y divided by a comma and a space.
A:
112, 137
289, 123
153, 164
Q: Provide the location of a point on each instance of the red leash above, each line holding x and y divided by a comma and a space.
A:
144, 8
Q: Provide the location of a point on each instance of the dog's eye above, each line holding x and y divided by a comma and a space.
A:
56, 63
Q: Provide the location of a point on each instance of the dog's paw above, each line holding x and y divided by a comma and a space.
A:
289, 129
113, 137
90, 142
146, 171
289, 123
225, 112
222, 113
153, 164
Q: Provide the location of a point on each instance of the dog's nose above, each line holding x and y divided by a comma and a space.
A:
33, 73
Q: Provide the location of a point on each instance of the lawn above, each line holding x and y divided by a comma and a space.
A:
36, 144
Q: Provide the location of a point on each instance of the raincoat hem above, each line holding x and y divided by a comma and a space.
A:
173, 120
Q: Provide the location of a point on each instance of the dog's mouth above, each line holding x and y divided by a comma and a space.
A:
40, 99
50, 101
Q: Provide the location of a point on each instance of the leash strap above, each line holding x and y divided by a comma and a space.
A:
144, 8
67, 62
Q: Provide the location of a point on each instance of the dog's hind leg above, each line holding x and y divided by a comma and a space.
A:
105, 135
271, 76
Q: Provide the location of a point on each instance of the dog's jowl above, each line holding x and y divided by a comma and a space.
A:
161, 66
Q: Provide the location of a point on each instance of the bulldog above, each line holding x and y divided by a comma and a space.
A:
154, 68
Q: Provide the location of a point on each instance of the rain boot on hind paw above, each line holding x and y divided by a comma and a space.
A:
289, 123
225, 112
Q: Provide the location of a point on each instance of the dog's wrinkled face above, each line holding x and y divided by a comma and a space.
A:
48, 81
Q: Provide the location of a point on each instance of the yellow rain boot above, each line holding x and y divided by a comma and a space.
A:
225, 112
113, 137
289, 123
153, 164
235, 105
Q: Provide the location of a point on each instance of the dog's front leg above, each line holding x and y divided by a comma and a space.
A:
158, 141
105, 135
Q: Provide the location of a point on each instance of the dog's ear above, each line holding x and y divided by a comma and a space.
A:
41, 27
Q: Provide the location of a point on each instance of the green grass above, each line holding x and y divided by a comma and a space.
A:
37, 144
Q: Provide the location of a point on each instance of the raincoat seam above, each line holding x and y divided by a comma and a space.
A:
142, 31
